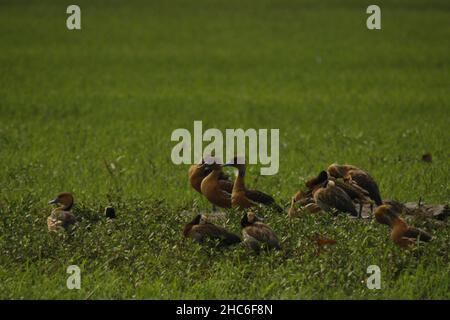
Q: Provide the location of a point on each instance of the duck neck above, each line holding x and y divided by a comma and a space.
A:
198, 172
239, 183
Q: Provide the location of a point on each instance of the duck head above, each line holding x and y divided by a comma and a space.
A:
64, 199
249, 218
385, 215
187, 228
211, 163
336, 170
212, 167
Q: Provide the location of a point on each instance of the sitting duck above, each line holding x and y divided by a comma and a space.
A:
200, 230
402, 234
257, 234
61, 217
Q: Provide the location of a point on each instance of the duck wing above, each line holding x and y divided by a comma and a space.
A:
211, 231
336, 198
263, 198
353, 190
366, 182
417, 233
264, 234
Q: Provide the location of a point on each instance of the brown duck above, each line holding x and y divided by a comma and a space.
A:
198, 172
358, 176
257, 234
243, 198
355, 192
212, 188
61, 217
328, 196
201, 231
403, 235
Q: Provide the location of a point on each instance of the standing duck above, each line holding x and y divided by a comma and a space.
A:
198, 172
61, 217
211, 187
243, 198
360, 177
257, 234
201, 230
328, 196
403, 235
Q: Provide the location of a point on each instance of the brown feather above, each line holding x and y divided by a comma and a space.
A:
417, 233
202, 232
360, 177
198, 172
334, 197
263, 234
263, 198
211, 189
354, 191
402, 234
366, 182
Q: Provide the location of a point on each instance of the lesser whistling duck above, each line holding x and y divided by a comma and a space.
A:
61, 217
198, 172
211, 187
328, 196
200, 230
360, 177
355, 192
401, 234
257, 234
243, 198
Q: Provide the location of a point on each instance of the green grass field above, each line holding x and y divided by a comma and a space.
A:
115, 91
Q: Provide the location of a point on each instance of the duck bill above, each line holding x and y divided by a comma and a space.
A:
54, 201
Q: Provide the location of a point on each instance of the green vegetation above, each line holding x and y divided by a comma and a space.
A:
114, 92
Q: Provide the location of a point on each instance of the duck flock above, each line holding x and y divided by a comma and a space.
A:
339, 189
